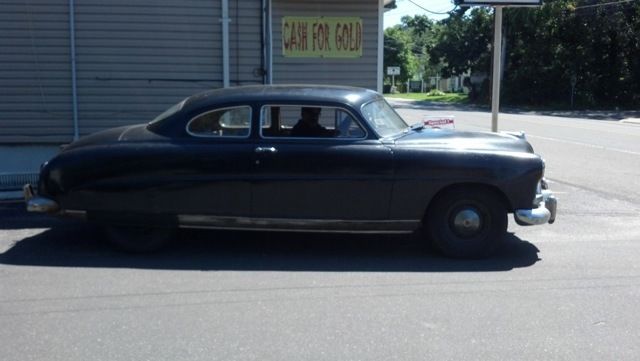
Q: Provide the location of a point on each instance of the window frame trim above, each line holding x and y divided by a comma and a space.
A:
195, 135
348, 111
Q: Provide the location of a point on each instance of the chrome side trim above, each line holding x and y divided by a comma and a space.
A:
297, 225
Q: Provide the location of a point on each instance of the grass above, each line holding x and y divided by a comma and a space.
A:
455, 98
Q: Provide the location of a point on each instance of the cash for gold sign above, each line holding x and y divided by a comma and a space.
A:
330, 37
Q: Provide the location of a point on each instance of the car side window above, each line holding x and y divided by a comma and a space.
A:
302, 121
225, 122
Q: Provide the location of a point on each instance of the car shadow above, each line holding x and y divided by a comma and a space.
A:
80, 245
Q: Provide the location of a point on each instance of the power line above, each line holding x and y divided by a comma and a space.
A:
436, 12
604, 4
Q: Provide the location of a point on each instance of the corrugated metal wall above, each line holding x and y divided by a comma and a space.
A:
245, 42
137, 58
134, 59
35, 73
360, 72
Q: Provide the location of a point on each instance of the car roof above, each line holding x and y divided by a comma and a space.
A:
285, 92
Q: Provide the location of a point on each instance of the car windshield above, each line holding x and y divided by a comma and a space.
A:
384, 120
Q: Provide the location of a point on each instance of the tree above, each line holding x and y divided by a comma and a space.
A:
548, 48
421, 31
462, 42
398, 52
595, 46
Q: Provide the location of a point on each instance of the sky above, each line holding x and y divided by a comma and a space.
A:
405, 7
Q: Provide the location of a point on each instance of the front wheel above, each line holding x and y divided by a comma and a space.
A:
139, 239
467, 223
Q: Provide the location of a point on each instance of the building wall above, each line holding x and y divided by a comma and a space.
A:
35, 73
245, 42
361, 72
136, 58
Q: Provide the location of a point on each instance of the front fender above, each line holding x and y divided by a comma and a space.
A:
422, 173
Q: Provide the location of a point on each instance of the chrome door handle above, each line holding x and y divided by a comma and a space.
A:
262, 150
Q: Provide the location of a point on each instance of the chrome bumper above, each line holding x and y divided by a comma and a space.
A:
544, 212
38, 204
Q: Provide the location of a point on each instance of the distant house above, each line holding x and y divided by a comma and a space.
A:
454, 84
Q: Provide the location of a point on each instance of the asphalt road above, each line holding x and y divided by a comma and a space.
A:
567, 291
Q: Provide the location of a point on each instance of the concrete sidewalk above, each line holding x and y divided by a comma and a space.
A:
21, 164
11, 195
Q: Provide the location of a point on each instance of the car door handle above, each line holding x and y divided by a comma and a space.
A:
263, 150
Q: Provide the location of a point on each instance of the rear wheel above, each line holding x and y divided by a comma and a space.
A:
139, 239
467, 223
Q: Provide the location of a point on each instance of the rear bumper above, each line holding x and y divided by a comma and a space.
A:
38, 204
545, 212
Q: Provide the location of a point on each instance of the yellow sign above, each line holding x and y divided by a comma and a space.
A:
321, 37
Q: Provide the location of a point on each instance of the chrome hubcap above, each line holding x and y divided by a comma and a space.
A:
467, 222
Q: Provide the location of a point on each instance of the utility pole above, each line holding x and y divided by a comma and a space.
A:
498, 5
497, 56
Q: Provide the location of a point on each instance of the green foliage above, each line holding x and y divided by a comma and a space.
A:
407, 45
462, 42
547, 49
596, 47
453, 98
435, 92
397, 52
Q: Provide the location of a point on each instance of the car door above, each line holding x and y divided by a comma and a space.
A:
344, 176
212, 170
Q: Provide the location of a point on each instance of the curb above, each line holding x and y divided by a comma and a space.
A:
11, 196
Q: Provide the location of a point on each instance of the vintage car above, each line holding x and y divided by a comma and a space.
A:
296, 158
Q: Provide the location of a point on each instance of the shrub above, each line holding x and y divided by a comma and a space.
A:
435, 93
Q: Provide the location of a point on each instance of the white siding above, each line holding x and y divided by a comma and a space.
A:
361, 72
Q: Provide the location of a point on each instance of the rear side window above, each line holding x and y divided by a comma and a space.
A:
225, 122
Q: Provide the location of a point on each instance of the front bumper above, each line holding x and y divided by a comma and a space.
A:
544, 212
38, 204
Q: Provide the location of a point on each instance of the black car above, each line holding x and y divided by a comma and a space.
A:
296, 158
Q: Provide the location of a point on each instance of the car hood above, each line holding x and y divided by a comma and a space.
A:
138, 132
464, 141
